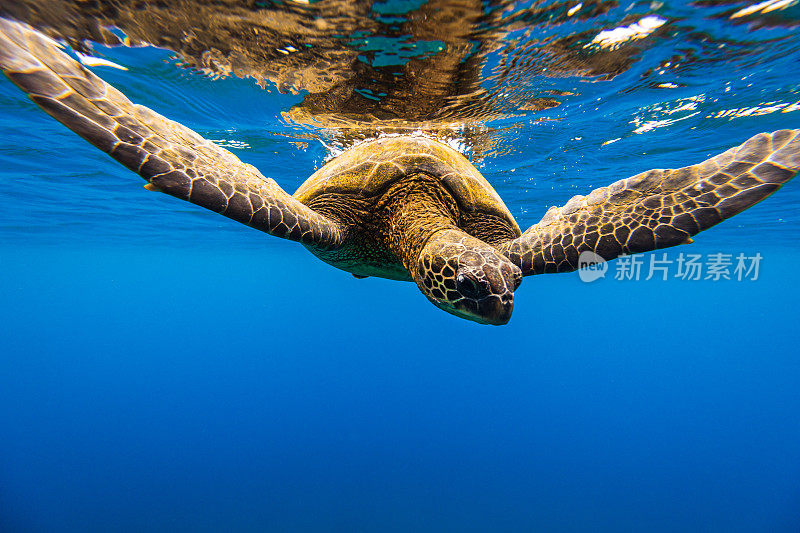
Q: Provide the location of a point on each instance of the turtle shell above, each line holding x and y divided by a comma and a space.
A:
369, 169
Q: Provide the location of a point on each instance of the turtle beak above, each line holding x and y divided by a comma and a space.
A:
493, 310
496, 310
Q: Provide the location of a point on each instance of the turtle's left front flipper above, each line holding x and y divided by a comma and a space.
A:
170, 156
658, 208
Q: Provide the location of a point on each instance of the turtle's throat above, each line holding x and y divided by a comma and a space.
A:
419, 209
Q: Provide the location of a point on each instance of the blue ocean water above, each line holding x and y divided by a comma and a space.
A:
165, 369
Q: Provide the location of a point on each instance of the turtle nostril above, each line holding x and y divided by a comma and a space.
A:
517, 278
467, 286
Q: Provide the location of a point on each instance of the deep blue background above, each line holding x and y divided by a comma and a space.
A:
173, 389
165, 369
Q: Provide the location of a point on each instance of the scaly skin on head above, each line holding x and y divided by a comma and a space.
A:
466, 277
457, 272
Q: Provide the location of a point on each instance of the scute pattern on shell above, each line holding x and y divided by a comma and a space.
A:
369, 169
173, 158
658, 208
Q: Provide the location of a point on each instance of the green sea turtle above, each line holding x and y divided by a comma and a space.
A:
405, 207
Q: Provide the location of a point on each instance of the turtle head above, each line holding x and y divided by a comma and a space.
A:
467, 277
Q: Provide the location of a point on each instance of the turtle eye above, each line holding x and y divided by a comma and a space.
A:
467, 286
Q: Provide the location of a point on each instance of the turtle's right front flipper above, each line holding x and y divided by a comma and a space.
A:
171, 157
658, 208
